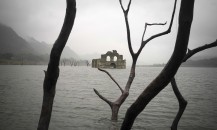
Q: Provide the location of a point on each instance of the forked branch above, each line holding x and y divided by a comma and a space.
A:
150, 24
112, 79
128, 7
159, 34
168, 30
127, 27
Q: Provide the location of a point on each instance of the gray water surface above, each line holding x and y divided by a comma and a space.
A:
76, 107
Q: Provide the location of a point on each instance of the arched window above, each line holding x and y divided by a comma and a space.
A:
115, 58
108, 58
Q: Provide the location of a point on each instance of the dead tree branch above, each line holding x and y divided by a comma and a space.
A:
103, 98
52, 73
181, 100
112, 79
169, 71
196, 50
150, 24
127, 26
128, 6
116, 105
159, 34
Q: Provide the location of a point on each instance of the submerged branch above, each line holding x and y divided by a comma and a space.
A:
52, 73
181, 100
169, 71
103, 98
112, 79
182, 104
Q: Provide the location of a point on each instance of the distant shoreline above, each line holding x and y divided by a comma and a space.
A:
43, 64
181, 66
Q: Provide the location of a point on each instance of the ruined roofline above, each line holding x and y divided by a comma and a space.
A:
110, 60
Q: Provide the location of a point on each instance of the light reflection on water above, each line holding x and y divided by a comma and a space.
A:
77, 107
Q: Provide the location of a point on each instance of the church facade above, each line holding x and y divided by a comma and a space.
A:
110, 60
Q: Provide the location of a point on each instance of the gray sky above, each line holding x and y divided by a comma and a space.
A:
99, 25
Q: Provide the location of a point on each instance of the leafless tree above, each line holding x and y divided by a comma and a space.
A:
87, 63
72, 61
63, 61
115, 105
76, 63
180, 98
52, 73
169, 71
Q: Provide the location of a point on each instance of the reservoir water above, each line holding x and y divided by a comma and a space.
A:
76, 107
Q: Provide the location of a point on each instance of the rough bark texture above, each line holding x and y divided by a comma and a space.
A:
124, 93
163, 79
181, 100
52, 73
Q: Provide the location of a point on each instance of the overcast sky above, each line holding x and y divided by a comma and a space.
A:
99, 25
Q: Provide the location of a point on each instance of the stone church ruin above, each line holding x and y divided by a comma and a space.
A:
110, 60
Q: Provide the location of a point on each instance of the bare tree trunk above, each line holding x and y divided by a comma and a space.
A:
169, 71
115, 109
71, 62
181, 100
52, 73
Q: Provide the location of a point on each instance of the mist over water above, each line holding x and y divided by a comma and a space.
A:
77, 107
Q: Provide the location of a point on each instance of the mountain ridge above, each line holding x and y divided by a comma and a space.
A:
12, 43
210, 62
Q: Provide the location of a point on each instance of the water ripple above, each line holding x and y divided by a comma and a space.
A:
77, 107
